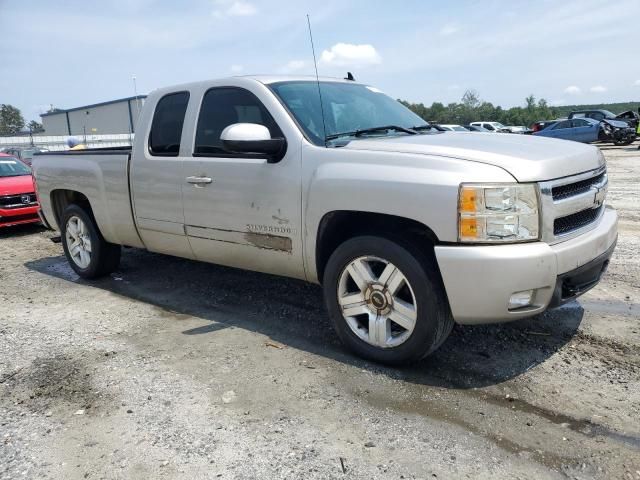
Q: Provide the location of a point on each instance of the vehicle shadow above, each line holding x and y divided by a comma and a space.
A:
21, 230
292, 313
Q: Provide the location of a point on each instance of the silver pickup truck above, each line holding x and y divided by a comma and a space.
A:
408, 229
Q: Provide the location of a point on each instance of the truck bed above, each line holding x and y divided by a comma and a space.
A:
102, 176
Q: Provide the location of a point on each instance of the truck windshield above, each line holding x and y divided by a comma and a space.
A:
348, 108
10, 167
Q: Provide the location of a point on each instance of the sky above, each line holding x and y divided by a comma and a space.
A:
74, 53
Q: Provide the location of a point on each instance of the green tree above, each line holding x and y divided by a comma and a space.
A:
11, 120
35, 127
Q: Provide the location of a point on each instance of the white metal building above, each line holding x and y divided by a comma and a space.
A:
113, 117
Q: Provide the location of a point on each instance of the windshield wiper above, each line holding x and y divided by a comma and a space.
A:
364, 131
428, 126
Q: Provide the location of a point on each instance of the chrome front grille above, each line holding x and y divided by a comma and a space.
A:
18, 201
572, 205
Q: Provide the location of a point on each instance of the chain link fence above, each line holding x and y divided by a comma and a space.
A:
59, 142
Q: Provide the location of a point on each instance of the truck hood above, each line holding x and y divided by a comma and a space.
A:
16, 185
527, 158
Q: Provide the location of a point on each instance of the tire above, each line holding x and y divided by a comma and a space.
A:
417, 300
88, 253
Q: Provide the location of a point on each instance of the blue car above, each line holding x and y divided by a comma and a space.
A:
577, 129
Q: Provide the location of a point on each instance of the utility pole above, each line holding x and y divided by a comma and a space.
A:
135, 93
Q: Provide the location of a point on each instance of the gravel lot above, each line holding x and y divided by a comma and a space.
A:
176, 369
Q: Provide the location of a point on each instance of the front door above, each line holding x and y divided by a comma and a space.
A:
584, 131
240, 210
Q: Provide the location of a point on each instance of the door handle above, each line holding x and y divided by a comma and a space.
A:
199, 180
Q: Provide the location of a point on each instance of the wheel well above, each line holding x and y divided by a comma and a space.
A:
337, 227
61, 199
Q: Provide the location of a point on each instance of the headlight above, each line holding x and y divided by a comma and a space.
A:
498, 213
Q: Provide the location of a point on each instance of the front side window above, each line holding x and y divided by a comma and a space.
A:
224, 106
348, 107
166, 127
563, 125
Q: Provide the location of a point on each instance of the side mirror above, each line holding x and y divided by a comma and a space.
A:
253, 138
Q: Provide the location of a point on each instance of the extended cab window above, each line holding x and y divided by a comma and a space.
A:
166, 128
225, 106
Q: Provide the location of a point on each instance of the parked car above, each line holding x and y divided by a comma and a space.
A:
18, 202
407, 229
492, 126
454, 128
541, 125
588, 130
25, 153
518, 129
475, 128
630, 117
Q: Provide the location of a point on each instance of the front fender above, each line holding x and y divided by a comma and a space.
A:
417, 187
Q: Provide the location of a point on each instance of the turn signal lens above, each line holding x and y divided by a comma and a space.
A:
468, 227
470, 200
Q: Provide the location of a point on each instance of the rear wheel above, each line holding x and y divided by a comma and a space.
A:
386, 300
88, 253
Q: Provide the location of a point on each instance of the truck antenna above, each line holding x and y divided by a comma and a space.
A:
315, 64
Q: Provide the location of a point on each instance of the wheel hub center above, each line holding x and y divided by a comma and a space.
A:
378, 298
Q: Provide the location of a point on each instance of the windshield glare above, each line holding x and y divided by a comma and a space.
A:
347, 108
10, 167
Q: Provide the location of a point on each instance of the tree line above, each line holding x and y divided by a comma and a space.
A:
12, 121
472, 109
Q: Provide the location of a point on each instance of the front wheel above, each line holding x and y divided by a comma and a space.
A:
386, 300
88, 253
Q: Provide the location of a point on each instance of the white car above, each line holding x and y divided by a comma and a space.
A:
454, 128
492, 126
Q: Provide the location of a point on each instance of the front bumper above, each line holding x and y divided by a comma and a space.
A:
18, 216
479, 280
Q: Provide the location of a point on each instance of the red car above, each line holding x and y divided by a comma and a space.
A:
18, 203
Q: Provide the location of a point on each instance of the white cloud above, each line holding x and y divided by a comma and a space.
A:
236, 8
598, 89
573, 90
453, 87
236, 68
449, 29
637, 83
347, 54
292, 66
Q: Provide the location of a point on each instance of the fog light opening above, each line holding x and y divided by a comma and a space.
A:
521, 299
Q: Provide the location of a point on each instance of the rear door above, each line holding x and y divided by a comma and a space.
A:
240, 210
156, 178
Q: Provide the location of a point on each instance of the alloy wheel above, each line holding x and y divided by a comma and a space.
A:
377, 302
78, 241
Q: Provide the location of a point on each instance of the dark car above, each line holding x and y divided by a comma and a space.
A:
630, 117
24, 153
